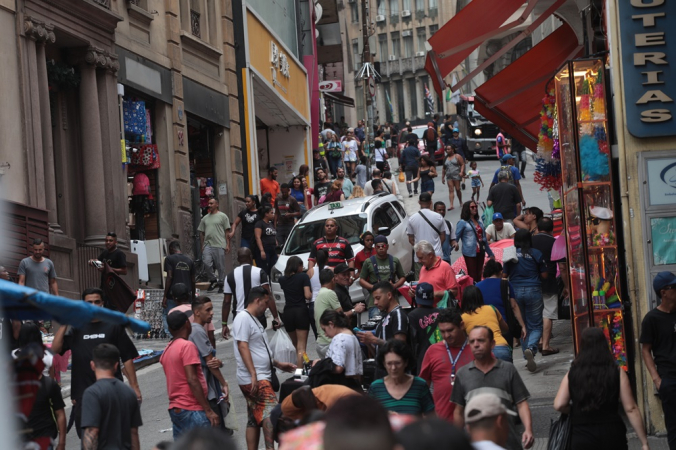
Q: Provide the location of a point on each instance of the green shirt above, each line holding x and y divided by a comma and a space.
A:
326, 299
214, 227
368, 274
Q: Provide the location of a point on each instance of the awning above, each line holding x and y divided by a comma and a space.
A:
512, 99
339, 98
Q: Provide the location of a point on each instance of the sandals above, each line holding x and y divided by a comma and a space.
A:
550, 351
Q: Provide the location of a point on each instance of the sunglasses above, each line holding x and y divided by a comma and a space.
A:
473, 207
595, 221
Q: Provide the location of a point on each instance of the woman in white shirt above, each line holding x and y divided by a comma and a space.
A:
30, 334
344, 350
322, 258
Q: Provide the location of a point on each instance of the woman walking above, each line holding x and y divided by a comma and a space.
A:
336, 193
591, 391
426, 175
471, 232
454, 171
297, 293
475, 313
524, 274
430, 137
335, 154
266, 239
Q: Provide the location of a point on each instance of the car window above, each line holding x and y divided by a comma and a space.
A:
399, 208
385, 217
304, 234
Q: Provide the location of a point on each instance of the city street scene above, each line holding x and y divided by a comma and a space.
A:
338, 224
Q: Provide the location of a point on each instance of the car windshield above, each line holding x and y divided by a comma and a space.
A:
303, 235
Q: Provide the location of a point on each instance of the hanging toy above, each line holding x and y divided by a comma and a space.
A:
584, 107
594, 163
601, 138
599, 104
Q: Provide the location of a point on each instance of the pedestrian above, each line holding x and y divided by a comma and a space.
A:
336, 193
184, 298
513, 175
347, 184
218, 390
295, 284
339, 248
443, 360
82, 341
501, 144
529, 219
248, 218
449, 243
388, 184
488, 422
361, 172
459, 143
304, 172
239, 283
366, 240
381, 155
504, 198
111, 414
357, 192
266, 238
322, 185
319, 160
475, 180
591, 392
255, 368
544, 241
186, 386
487, 372
426, 173
344, 349
471, 232
409, 160
350, 149
327, 299
307, 192
423, 322
499, 230
358, 422
297, 192
322, 257
427, 225
380, 266
29, 333
287, 210
658, 350
430, 137
9, 329
526, 276
214, 228
37, 272
475, 313
305, 400
519, 153
435, 271
113, 256
270, 185
335, 153
179, 269
398, 391
432, 434
376, 174
344, 278
453, 173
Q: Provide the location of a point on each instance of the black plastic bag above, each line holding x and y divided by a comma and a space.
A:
560, 433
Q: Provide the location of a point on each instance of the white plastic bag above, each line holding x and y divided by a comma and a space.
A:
282, 348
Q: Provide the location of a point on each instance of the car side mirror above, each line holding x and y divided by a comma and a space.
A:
385, 231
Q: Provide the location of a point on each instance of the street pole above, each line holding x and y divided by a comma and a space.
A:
366, 58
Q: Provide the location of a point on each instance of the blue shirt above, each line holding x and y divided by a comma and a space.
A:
410, 156
298, 195
359, 132
516, 176
526, 272
490, 289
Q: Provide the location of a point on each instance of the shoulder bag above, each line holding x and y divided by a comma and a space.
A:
560, 433
430, 223
510, 318
273, 371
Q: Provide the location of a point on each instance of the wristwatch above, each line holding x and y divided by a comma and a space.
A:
353, 311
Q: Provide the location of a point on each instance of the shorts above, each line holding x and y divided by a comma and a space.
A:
551, 309
427, 186
353, 157
476, 182
259, 407
296, 318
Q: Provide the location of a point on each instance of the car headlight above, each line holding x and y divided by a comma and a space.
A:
477, 131
276, 274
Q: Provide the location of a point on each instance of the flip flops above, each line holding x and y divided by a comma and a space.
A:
550, 351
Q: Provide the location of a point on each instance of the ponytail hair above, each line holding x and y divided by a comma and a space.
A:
339, 319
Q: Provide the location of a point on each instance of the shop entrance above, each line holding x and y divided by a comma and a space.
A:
202, 173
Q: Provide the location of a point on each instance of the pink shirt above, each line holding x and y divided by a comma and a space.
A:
187, 309
441, 276
178, 354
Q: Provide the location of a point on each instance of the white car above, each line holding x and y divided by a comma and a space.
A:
381, 214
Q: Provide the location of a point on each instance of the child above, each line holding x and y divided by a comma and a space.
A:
477, 182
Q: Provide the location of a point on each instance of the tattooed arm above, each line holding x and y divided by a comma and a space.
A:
90, 440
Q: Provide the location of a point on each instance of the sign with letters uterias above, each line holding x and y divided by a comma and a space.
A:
648, 40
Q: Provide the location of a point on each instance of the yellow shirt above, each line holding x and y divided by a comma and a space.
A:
485, 316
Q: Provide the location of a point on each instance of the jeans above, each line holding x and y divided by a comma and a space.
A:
503, 352
529, 299
214, 260
185, 420
334, 164
374, 311
411, 173
667, 393
171, 304
246, 243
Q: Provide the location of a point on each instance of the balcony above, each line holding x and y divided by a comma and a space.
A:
104, 3
393, 67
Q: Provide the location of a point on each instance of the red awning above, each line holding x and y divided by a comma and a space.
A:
472, 25
512, 99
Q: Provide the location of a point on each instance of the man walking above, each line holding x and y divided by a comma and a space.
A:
287, 210
409, 159
488, 422
427, 225
270, 184
338, 248
514, 176
82, 341
327, 299
459, 143
111, 414
658, 335
180, 269
255, 368
443, 360
239, 283
380, 267
322, 184
343, 276
186, 385
544, 241
113, 256
450, 243
504, 197
423, 321
38, 272
488, 372
435, 271
348, 186
214, 229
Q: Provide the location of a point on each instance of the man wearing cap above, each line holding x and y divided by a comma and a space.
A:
427, 225
485, 374
658, 336
319, 162
380, 267
504, 197
186, 385
499, 230
344, 278
287, 210
443, 360
486, 418
423, 321
514, 175
459, 143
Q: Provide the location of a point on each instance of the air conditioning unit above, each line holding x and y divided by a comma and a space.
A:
419, 53
406, 13
406, 33
380, 18
392, 58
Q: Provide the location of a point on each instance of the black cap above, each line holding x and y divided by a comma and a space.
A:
425, 197
180, 290
341, 268
176, 320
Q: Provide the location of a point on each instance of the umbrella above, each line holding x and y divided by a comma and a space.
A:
497, 247
22, 303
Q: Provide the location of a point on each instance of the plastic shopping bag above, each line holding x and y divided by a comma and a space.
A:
282, 348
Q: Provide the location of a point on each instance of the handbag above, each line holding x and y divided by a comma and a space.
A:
510, 318
560, 433
488, 215
274, 380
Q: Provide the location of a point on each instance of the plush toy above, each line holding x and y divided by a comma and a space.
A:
584, 107
594, 163
599, 105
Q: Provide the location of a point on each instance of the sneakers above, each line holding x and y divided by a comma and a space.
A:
213, 285
530, 358
220, 289
415, 192
410, 195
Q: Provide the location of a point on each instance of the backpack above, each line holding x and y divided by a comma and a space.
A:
377, 272
507, 169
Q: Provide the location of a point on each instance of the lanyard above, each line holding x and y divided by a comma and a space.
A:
454, 362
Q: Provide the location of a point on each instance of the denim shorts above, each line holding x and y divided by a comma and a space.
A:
185, 420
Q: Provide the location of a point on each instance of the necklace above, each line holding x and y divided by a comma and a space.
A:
332, 242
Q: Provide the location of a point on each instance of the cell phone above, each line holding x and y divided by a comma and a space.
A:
357, 330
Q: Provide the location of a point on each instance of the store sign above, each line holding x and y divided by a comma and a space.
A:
649, 61
661, 181
663, 233
331, 86
280, 63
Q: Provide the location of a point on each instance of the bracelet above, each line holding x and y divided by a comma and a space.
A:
224, 323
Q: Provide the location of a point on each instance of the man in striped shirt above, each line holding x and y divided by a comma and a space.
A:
338, 248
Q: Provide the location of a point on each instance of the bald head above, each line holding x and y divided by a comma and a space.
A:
244, 255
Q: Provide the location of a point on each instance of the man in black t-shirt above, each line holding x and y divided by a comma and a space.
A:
505, 197
112, 256
322, 185
111, 414
287, 210
544, 241
658, 348
344, 276
248, 218
423, 322
180, 269
82, 341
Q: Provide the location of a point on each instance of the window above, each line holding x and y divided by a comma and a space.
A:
413, 94
422, 37
355, 53
420, 5
382, 47
408, 46
381, 7
305, 234
400, 208
394, 7
198, 18
354, 10
385, 217
406, 5
396, 46
399, 86
432, 4
433, 29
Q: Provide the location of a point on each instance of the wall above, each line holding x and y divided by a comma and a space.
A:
287, 151
280, 15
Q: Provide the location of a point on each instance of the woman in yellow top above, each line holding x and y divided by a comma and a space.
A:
475, 313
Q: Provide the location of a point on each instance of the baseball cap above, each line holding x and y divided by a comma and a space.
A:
425, 197
341, 268
180, 290
380, 239
483, 406
497, 216
455, 130
424, 294
662, 280
176, 320
507, 157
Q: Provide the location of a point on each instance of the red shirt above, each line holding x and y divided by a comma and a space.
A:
339, 249
271, 186
441, 276
178, 354
436, 368
363, 256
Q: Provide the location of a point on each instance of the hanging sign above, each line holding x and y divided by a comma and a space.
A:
331, 86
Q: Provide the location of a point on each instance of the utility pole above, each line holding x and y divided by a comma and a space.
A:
366, 61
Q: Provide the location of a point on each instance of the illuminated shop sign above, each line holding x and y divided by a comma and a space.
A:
648, 59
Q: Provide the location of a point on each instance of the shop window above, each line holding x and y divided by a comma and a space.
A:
201, 154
